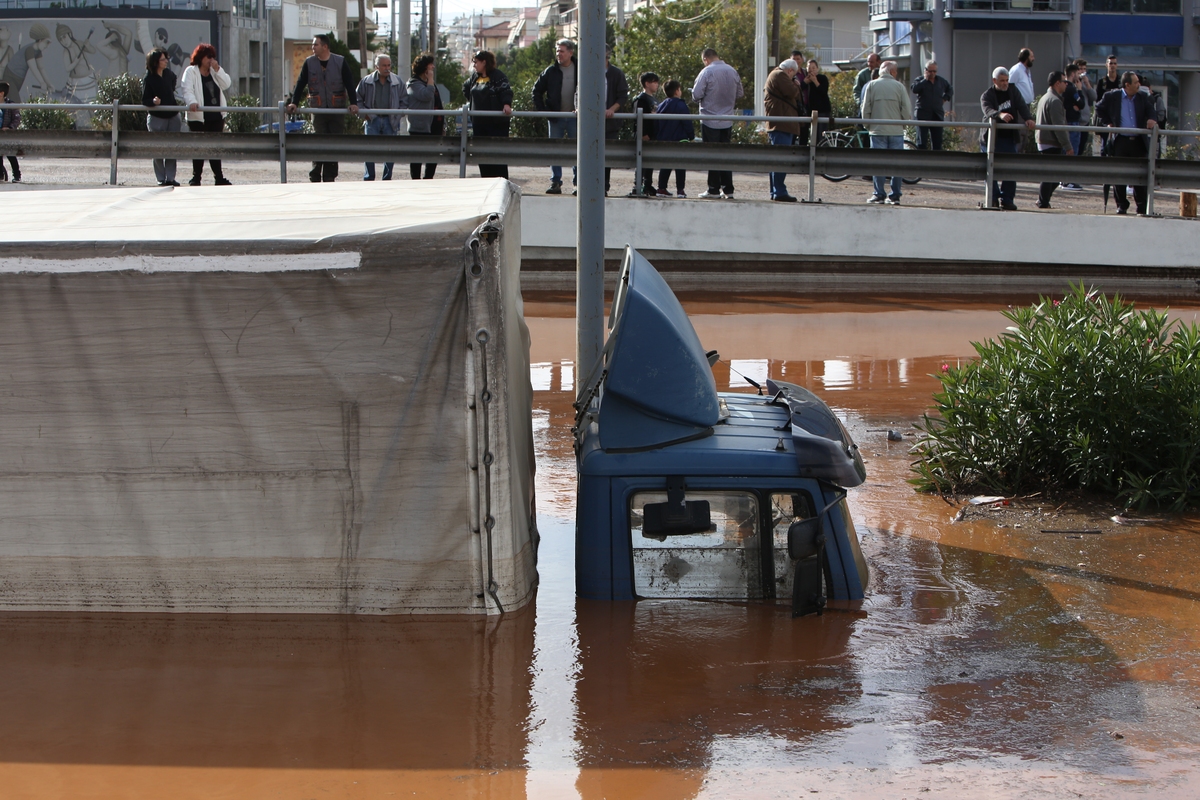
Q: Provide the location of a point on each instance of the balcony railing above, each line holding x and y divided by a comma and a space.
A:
315, 16
879, 8
157, 5
1024, 6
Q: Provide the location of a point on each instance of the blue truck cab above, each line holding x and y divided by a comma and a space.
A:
685, 492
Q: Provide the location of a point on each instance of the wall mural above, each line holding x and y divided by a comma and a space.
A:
63, 58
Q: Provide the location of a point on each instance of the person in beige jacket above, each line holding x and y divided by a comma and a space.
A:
781, 98
886, 98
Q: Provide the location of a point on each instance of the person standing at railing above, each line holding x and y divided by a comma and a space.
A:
1020, 75
203, 85
1074, 104
10, 120
616, 95
555, 91
781, 98
423, 95
645, 101
933, 92
1128, 107
487, 89
1052, 111
814, 96
1003, 102
330, 84
673, 130
158, 89
865, 75
382, 90
1111, 79
717, 89
886, 98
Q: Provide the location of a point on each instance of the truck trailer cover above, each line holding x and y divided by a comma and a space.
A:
273, 399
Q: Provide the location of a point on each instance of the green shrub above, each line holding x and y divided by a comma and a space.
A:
243, 121
46, 119
1080, 394
126, 89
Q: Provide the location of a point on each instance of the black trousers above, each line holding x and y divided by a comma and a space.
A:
664, 175
215, 126
718, 180
493, 170
430, 169
1046, 190
608, 170
929, 136
326, 171
1129, 147
16, 168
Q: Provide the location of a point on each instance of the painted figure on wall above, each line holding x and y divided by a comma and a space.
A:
32, 70
81, 83
115, 47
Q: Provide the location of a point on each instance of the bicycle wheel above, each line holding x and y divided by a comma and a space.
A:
840, 138
909, 144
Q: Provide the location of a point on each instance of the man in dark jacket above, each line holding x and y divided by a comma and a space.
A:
327, 79
1005, 103
932, 92
616, 95
1127, 108
555, 91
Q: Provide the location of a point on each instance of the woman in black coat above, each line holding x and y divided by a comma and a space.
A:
814, 93
487, 90
158, 89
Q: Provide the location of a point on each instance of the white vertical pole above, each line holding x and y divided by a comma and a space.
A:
760, 55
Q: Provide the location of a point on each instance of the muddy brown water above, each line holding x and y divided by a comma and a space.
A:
985, 662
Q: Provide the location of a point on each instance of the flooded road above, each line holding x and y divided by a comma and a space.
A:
985, 662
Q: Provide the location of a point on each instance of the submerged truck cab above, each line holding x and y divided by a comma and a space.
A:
685, 492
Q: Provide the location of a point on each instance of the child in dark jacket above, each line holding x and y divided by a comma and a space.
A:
645, 101
673, 130
10, 120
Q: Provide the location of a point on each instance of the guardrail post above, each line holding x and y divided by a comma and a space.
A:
282, 141
116, 127
637, 175
812, 159
464, 115
990, 194
1150, 178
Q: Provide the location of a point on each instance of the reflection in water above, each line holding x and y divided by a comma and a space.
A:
1013, 662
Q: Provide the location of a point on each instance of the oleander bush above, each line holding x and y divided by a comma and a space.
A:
1080, 394
46, 119
243, 121
127, 89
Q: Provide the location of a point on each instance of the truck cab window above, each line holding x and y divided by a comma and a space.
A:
722, 562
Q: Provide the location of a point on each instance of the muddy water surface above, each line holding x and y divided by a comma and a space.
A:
985, 662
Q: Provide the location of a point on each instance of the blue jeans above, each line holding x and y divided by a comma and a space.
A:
379, 126
778, 189
1076, 138
887, 143
563, 129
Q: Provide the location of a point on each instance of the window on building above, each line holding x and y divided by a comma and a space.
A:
1133, 6
246, 8
818, 33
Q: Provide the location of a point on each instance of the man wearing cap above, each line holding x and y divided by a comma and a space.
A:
1004, 102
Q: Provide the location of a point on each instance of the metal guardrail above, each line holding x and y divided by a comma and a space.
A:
462, 149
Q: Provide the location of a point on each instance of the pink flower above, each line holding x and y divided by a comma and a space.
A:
1056, 302
945, 367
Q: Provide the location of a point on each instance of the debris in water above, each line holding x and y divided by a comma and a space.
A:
895, 436
984, 500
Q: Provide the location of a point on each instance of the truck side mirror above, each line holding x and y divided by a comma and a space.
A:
660, 520
805, 538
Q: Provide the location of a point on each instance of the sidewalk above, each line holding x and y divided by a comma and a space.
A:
78, 173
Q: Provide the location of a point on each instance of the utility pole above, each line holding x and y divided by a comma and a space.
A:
433, 31
621, 19
776, 56
760, 55
589, 210
422, 41
362, 36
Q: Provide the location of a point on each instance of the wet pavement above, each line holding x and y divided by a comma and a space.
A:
984, 662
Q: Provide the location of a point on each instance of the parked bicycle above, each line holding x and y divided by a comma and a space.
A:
860, 138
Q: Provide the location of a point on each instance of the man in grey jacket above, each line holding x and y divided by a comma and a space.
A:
380, 91
886, 98
717, 89
1050, 111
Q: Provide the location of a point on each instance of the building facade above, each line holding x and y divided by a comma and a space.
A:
968, 38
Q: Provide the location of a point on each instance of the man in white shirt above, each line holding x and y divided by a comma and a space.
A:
1020, 75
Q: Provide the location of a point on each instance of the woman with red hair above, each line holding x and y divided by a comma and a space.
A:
203, 86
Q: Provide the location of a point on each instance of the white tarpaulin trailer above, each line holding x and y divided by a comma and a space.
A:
289, 398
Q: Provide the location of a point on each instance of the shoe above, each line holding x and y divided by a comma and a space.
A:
681, 194
574, 193
1040, 204
4, 177
1070, 187
726, 195
784, 198
222, 181
650, 191
893, 201
1009, 206
1123, 209
555, 188
663, 193
875, 200
195, 181
710, 195
16, 179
